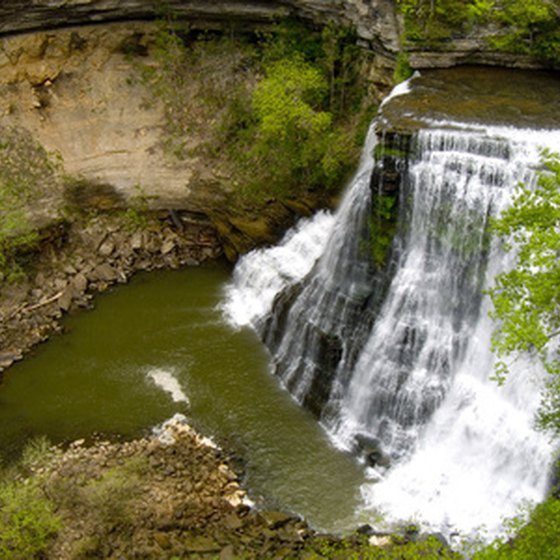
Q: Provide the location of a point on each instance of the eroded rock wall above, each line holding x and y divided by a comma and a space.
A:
374, 19
77, 94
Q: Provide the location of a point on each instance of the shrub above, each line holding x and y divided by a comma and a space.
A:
26, 173
523, 26
274, 111
539, 538
356, 548
27, 520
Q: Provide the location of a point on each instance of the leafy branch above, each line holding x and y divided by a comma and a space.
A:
526, 299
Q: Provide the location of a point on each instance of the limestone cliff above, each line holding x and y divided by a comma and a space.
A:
374, 19
76, 92
377, 22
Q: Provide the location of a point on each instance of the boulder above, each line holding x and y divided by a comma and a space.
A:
65, 300
106, 248
105, 273
371, 448
275, 519
80, 283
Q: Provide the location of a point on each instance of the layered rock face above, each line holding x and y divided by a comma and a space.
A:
79, 95
68, 79
374, 20
69, 83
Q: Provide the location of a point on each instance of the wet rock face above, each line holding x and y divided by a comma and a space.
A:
374, 19
392, 155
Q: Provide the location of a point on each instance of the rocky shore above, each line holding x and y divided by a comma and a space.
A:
175, 494
75, 260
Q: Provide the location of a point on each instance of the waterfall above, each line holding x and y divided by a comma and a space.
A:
469, 452
421, 332
396, 359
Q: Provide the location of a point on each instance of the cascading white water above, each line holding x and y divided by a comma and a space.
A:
425, 323
464, 451
262, 274
322, 308
478, 457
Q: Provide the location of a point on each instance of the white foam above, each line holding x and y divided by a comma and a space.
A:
478, 458
166, 381
400, 89
534, 138
263, 273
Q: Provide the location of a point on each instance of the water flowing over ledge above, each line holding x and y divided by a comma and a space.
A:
394, 359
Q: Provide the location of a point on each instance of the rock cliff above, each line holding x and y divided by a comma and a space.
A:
69, 83
374, 20
78, 91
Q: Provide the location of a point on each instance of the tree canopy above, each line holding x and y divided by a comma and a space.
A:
518, 26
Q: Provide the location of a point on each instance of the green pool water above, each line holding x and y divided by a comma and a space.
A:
98, 378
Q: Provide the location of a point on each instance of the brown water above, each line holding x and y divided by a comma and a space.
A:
473, 94
98, 377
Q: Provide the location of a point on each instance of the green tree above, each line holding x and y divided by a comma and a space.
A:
527, 299
518, 26
295, 143
532, 27
286, 101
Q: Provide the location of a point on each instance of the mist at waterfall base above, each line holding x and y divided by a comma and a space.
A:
413, 364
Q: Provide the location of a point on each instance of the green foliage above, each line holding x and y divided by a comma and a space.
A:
383, 227
480, 10
361, 129
27, 520
332, 51
524, 26
429, 22
532, 27
26, 170
357, 548
291, 37
112, 495
539, 538
285, 101
403, 70
36, 452
136, 216
527, 299
295, 143
273, 109
107, 500
204, 83
341, 57
298, 137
